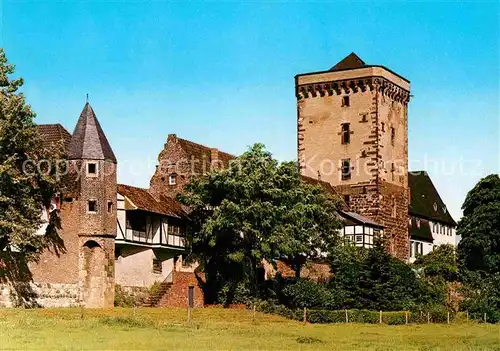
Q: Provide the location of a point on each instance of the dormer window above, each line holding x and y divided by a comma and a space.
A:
418, 222
345, 101
435, 206
91, 169
172, 179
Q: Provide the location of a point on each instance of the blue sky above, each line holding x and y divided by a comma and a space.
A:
222, 73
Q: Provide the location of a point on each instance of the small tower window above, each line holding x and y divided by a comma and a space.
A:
346, 133
345, 101
346, 169
382, 126
92, 169
172, 179
92, 206
110, 206
393, 135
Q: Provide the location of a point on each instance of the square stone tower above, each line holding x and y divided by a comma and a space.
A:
352, 125
93, 178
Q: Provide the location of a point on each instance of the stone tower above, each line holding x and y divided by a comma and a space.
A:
93, 173
353, 132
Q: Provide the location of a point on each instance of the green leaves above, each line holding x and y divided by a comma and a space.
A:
24, 187
479, 228
258, 209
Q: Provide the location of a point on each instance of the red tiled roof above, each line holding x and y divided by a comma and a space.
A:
143, 200
202, 153
54, 133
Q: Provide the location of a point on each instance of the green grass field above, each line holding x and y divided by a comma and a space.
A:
221, 329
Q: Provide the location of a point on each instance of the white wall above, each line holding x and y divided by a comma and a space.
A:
443, 234
420, 247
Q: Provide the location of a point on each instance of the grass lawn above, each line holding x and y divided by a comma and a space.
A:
218, 329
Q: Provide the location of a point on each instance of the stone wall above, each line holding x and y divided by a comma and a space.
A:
39, 295
311, 270
378, 148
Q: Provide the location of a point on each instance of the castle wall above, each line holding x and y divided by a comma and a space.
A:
172, 159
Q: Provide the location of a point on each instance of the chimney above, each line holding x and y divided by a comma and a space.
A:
214, 158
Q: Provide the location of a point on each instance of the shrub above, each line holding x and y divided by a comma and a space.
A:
307, 293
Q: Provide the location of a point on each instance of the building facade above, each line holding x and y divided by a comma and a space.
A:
352, 123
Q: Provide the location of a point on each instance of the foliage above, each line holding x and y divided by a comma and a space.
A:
124, 298
479, 228
479, 249
439, 264
482, 296
24, 187
257, 209
308, 293
322, 316
373, 279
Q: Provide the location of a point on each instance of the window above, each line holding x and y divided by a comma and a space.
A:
418, 222
92, 206
346, 169
136, 221
346, 133
157, 266
345, 101
110, 206
409, 221
347, 200
364, 117
442, 229
91, 169
435, 206
359, 238
382, 126
172, 179
411, 248
393, 135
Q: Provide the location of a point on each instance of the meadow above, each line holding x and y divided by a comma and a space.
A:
223, 329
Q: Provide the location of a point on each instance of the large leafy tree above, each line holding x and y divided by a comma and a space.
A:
257, 209
479, 228
26, 182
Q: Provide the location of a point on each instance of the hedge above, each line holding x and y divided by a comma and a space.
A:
358, 316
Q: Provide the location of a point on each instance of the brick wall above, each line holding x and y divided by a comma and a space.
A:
178, 294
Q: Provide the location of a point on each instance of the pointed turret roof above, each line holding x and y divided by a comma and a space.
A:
351, 61
88, 140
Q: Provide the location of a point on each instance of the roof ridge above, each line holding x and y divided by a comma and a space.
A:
204, 146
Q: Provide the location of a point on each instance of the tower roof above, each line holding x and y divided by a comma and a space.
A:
88, 140
351, 61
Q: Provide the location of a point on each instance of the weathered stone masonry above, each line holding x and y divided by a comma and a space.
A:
372, 101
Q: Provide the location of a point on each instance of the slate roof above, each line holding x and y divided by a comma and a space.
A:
425, 201
356, 218
54, 133
143, 200
201, 152
89, 141
351, 61
420, 232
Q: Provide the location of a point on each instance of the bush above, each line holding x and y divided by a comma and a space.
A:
124, 298
321, 316
307, 293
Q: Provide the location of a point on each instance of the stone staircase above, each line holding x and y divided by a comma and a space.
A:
153, 299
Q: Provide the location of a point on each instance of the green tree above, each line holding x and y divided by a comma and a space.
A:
26, 184
479, 228
440, 264
257, 209
373, 279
